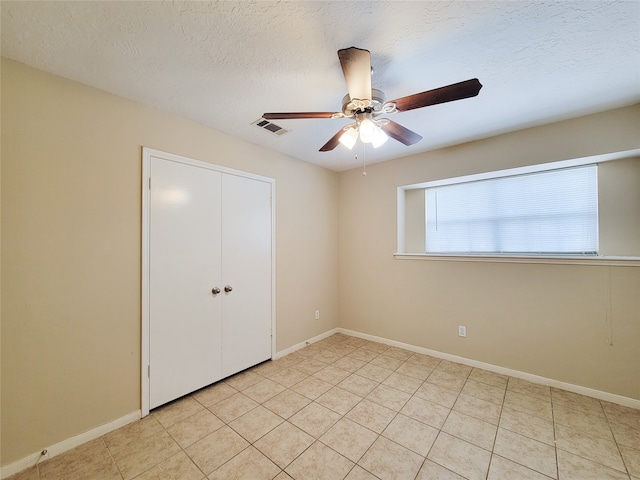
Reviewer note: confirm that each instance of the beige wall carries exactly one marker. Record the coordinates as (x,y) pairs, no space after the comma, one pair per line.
(549,320)
(618,207)
(71,235)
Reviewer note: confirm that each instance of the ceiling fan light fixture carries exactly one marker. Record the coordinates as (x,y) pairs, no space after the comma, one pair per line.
(379,138)
(369,131)
(349,137)
(367,128)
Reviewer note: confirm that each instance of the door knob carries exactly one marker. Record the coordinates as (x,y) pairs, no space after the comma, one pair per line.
(228,288)
(215,290)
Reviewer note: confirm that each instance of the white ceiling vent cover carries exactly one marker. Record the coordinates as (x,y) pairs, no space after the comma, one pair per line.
(270,127)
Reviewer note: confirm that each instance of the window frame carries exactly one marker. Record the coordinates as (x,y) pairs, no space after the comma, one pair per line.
(402,253)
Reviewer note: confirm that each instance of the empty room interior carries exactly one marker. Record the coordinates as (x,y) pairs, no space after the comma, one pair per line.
(320,240)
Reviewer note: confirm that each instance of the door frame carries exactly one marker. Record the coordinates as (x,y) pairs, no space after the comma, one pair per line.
(147,154)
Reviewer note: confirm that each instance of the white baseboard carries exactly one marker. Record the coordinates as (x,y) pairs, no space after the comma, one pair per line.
(66,445)
(306,343)
(590,392)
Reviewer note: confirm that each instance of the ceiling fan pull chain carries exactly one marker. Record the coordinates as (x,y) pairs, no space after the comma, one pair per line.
(356,158)
(364,160)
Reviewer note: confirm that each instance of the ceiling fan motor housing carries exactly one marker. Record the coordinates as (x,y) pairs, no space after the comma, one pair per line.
(352,106)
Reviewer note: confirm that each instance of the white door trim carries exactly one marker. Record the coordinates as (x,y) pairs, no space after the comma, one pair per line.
(147,154)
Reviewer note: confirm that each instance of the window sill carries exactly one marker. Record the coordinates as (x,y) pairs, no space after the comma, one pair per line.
(551,259)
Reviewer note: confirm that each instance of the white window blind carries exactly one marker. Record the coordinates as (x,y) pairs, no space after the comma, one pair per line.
(551,212)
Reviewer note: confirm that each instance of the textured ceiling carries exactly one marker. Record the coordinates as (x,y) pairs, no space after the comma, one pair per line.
(223,64)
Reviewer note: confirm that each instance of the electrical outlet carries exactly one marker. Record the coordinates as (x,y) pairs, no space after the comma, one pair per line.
(462,331)
(317,314)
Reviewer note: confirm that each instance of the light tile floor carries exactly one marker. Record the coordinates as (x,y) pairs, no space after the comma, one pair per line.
(347,408)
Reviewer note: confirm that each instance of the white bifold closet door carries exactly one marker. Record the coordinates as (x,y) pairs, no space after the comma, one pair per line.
(208,231)
(246,268)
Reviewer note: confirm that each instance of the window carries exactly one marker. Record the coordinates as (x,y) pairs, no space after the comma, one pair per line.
(551,212)
(582,210)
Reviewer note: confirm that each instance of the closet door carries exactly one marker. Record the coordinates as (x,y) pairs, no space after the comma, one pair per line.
(246,269)
(184,268)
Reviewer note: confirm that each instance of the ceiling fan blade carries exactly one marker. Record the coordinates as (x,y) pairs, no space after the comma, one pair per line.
(456,91)
(333,142)
(400,133)
(293,115)
(356,67)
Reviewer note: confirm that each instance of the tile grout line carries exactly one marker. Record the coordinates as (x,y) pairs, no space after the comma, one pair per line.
(111,457)
(615,440)
(555,436)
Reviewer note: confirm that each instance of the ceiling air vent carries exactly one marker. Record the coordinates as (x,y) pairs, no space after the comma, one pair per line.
(270,127)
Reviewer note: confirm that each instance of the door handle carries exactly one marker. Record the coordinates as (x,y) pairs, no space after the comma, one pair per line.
(228,288)
(215,290)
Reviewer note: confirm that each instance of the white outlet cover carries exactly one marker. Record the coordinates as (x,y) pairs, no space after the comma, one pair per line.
(462,331)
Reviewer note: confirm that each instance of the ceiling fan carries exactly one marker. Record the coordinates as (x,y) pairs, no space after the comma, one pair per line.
(366,104)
